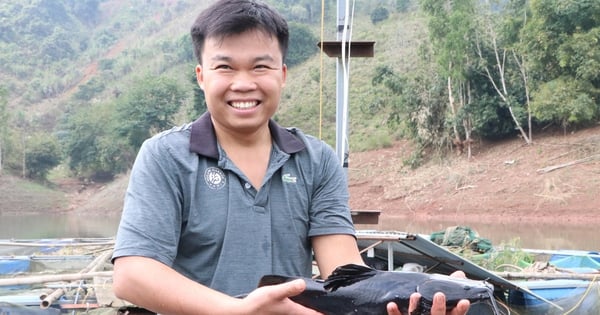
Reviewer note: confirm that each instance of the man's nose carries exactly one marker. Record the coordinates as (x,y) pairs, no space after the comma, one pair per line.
(243,80)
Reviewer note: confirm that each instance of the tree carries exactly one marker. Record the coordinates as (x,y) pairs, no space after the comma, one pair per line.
(450,28)
(303,45)
(561,40)
(93,147)
(379,14)
(199,101)
(564,101)
(42,155)
(497,68)
(148,107)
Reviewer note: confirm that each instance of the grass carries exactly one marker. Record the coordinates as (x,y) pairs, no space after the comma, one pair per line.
(22,196)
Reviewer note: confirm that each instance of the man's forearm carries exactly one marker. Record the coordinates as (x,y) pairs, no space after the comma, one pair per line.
(152,285)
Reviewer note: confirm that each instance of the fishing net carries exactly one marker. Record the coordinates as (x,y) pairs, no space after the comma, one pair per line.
(463,237)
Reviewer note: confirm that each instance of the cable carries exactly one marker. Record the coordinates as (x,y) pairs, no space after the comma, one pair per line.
(321,71)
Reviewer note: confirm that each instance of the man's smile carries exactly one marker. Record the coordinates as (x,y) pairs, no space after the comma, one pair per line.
(243,105)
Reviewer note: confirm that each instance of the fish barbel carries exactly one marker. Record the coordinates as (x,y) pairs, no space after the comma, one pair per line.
(356,289)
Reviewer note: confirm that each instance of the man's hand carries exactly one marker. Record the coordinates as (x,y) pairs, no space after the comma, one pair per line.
(439,303)
(438,308)
(274,299)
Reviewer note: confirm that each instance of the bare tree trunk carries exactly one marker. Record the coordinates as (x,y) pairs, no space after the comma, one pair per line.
(502,91)
(524,75)
(467,123)
(452,108)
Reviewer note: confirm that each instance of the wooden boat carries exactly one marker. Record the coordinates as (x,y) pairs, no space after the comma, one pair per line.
(571,295)
(526,293)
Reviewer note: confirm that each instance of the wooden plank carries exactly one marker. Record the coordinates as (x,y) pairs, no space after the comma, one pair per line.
(365,216)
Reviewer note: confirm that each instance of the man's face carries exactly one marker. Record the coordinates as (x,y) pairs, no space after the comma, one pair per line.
(242,77)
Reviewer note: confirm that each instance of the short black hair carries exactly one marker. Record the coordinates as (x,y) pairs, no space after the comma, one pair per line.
(233,17)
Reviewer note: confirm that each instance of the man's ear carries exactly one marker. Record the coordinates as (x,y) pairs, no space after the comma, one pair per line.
(284,70)
(200,76)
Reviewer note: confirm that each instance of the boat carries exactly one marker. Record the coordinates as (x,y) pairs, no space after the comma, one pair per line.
(573,287)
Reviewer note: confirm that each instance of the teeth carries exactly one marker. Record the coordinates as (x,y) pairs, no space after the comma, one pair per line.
(243,104)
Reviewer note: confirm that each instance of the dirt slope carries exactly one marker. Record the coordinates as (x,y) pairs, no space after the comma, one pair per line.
(506,181)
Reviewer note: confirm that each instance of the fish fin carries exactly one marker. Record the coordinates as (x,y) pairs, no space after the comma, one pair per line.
(273,280)
(348,274)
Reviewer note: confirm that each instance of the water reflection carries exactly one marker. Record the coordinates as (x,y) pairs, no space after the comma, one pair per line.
(538,236)
(56,226)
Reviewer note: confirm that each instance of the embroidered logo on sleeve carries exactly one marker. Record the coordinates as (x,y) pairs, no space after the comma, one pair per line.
(288,178)
(214,178)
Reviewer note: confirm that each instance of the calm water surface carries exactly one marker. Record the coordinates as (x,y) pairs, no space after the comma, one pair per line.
(56,226)
(536,236)
(539,236)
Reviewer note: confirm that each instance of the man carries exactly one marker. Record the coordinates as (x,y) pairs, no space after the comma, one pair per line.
(214,205)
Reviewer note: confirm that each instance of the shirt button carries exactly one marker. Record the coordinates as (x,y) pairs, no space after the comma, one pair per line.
(248,186)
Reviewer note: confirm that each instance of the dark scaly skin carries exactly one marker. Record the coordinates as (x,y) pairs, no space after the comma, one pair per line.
(353,289)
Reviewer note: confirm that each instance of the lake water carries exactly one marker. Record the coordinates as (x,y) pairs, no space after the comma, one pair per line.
(539,236)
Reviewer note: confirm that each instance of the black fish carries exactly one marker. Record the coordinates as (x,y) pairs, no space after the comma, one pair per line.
(355,289)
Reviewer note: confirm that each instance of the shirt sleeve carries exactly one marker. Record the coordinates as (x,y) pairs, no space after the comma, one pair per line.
(330,210)
(151,220)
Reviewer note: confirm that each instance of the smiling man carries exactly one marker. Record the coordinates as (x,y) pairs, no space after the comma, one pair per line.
(215,204)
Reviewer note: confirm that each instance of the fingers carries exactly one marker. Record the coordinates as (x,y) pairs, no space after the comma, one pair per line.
(392,309)
(293,288)
(461,308)
(458,274)
(439,304)
(413,302)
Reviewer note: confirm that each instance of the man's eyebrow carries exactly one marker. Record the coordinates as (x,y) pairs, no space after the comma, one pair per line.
(265,57)
(220,58)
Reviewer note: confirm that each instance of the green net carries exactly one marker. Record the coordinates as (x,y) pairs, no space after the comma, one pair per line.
(463,237)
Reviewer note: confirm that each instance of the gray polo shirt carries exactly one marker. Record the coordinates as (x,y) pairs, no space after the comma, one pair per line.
(189,207)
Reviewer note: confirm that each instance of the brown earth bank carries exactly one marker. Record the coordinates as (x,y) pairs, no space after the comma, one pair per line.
(505,181)
(554,180)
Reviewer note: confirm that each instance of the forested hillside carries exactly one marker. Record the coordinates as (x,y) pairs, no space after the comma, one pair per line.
(84,82)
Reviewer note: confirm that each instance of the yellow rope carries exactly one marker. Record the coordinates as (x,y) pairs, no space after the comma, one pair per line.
(587,291)
(321,71)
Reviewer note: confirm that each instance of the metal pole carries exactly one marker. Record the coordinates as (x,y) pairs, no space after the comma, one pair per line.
(341,129)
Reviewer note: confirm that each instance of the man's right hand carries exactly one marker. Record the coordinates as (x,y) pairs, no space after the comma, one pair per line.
(275,299)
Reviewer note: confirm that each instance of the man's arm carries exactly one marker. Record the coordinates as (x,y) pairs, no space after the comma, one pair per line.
(152,285)
(332,251)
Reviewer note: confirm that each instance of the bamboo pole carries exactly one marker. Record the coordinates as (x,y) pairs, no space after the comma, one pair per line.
(94,266)
(548,276)
(54,278)
(41,244)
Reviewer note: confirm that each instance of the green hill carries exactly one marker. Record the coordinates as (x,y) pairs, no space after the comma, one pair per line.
(66,63)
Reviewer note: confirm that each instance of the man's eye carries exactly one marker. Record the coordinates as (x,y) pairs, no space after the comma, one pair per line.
(222,67)
(262,67)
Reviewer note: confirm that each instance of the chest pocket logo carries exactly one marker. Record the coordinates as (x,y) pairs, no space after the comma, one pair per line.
(214,178)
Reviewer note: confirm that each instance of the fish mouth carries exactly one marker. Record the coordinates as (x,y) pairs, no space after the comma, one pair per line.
(243,105)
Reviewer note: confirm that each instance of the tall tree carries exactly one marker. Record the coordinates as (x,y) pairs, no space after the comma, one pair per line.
(497,69)
(450,27)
